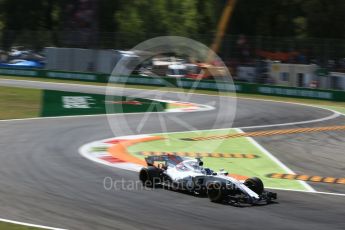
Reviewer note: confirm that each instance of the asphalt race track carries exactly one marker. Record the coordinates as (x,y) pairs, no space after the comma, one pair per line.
(44,180)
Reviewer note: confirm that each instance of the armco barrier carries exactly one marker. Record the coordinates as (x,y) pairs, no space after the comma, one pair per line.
(249,88)
(331,95)
(53,74)
(19,72)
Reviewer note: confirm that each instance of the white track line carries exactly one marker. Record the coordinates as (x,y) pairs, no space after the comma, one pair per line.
(202,108)
(274,159)
(83,150)
(313,192)
(333,116)
(30,225)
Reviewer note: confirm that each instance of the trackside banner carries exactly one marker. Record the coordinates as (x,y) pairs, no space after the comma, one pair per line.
(331,95)
(59,103)
(53,74)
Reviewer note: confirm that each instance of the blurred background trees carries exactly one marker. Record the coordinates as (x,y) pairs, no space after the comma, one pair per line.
(283,18)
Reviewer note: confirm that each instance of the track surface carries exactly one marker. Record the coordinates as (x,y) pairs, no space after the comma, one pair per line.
(44,180)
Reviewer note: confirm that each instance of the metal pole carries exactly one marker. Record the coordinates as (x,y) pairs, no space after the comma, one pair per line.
(222,26)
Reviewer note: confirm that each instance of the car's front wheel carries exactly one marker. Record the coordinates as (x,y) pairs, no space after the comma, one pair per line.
(255,184)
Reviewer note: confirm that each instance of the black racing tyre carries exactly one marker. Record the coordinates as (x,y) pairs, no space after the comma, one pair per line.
(168,183)
(216,192)
(150,176)
(255,184)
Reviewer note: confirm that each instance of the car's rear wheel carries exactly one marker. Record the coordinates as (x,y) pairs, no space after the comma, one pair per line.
(216,192)
(255,184)
(150,176)
(169,183)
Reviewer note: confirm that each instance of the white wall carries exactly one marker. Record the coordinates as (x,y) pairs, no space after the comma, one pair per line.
(80,60)
(287,74)
(339,78)
(246,73)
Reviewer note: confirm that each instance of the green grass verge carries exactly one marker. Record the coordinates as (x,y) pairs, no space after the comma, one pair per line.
(253,96)
(335,108)
(19,103)
(258,167)
(8,226)
(20,113)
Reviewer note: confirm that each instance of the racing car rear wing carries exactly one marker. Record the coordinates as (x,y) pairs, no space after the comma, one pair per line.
(167,159)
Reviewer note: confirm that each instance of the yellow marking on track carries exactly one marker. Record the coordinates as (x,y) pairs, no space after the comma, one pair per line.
(251,156)
(318,179)
(329,179)
(214,155)
(289,176)
(270,133)
(303,177)
(340,181)
(203,154)
(276,175)
(193,154)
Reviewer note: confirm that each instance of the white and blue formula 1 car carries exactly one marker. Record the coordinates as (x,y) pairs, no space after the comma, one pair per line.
(187,174)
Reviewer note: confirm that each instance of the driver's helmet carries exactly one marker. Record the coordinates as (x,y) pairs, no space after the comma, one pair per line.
(208,171)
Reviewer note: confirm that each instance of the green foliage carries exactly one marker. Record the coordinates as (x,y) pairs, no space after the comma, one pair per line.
(290,18)
(140,19)
(28,14)
(158,16)
(325,18)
